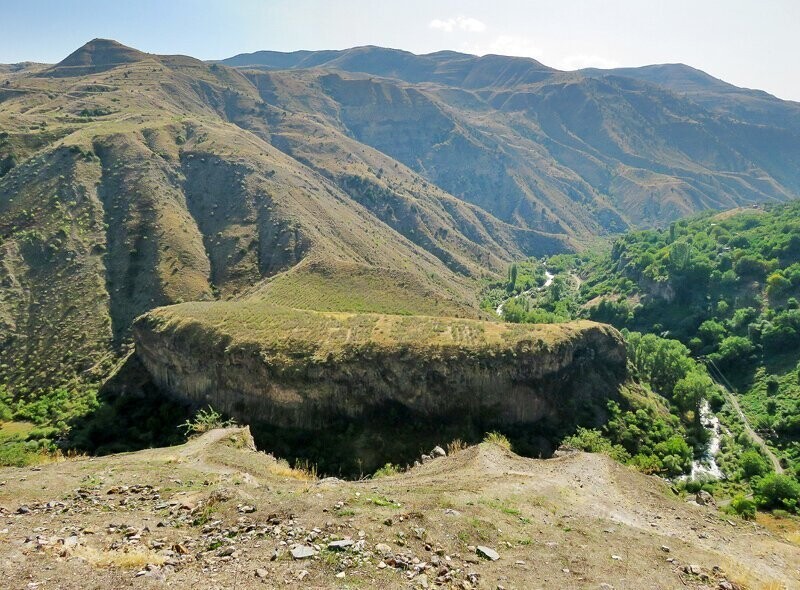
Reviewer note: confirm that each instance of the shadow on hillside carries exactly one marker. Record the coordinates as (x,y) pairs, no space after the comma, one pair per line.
(134,414)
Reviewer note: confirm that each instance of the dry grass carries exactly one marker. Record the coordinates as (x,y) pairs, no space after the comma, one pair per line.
(787,527)
(748,579)
(282,333)
(498,439)
(300,472)
(133,559)
(455,446)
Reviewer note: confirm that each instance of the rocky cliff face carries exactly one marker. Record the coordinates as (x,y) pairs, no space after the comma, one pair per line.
(499,376)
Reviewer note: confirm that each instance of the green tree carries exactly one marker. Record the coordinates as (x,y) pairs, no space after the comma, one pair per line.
(753,464)
(661,361)
(691,390)
(734,351)
(777,491)
(512,277)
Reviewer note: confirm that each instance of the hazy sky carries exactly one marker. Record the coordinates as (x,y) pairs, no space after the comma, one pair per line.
(752,43)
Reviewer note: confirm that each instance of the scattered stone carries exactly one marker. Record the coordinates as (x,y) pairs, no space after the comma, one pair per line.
(340,545)
(616,558)
(303,552)
(693,569)
(261,573)
(665,549)
(383,549)
(487,553)
(340,575)
(704,498)
(438,452)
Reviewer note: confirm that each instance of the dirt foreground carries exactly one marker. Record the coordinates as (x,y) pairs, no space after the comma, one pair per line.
(215,514)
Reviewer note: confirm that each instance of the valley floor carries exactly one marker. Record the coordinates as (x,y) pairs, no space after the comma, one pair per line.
(214,513)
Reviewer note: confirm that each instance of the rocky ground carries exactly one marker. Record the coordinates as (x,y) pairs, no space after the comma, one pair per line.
(214,513)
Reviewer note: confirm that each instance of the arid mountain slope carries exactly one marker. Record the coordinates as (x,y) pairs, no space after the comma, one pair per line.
(127,185)
(130,180)
(216,513)
(744,104)
(581,153)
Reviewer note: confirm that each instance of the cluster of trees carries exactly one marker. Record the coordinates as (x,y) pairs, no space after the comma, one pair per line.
(653,438)
(555,304)
(50,412)
(726,288)
(521,276)
(722,288)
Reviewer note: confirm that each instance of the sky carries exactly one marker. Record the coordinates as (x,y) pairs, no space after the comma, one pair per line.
(750,43)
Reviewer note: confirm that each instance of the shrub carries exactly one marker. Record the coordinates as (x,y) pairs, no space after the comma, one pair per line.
(205,420)
(694,485)
(777,491)
(744,507)
(386,471)
(593,441)
(753,464)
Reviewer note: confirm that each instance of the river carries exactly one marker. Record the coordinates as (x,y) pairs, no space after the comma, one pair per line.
(548,280)
(705,467)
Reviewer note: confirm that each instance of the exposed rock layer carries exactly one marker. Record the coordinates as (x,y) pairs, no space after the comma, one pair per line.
(523,375)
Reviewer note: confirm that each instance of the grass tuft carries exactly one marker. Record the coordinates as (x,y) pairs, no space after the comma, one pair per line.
(498,439)
(455,446)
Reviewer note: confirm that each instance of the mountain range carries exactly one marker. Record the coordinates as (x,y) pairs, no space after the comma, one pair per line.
(367,179)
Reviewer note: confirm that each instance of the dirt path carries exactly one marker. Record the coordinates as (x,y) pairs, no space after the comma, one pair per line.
(548,281)
(776,464)
(754,436)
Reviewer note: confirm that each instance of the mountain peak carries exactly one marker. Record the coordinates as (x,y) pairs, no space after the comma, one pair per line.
(101,53)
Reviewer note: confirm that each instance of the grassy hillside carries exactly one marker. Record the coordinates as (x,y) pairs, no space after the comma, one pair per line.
(345,334)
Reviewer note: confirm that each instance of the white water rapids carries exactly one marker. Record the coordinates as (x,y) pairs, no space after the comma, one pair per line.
(706,466)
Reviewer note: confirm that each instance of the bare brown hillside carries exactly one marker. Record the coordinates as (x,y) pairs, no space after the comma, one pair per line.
(127,187)
(216,513)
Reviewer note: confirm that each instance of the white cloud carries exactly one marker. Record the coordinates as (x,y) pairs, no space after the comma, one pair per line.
(507,45)
(577,62)
(460,23)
